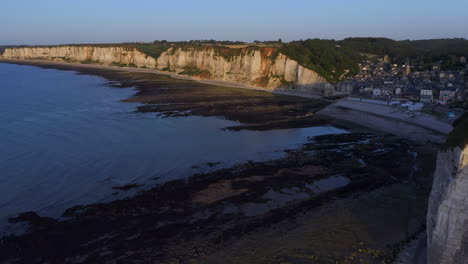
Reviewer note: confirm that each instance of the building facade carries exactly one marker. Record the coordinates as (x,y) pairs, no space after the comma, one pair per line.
(426,96)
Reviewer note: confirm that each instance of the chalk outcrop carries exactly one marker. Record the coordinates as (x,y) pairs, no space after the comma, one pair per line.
(260,67)
(83,54)
(265,68)
(447,219)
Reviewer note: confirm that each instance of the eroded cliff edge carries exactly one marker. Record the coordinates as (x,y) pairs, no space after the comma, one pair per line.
(258,67)
(447,219)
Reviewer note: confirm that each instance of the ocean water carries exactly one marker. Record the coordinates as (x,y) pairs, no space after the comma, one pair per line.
(67,139)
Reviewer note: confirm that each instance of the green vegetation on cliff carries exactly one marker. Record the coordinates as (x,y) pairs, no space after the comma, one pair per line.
(326,57)
(332,59)
(131,65)
(407,48)
(228,53)
(428,52)
(153,50)
(225,52)
(195,71)
(90,62)
(377,46)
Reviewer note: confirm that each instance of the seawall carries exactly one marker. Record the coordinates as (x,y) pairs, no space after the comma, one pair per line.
(386,119)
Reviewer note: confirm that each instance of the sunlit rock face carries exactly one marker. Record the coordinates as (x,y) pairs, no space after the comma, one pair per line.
(447,221)
(85,54)
(264,68)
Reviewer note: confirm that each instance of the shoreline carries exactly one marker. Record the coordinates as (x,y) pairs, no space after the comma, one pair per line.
(255,109)
(375,117)
(170,74)
(372,116)
(214,213)
(265,203)
(406,124)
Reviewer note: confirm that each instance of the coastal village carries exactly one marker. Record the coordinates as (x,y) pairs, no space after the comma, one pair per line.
(372,158)
(380,79)
(246,132)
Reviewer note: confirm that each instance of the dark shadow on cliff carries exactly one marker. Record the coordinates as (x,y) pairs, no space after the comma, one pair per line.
(459,135)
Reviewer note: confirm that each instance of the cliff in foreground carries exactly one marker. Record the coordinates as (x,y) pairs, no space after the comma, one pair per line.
(447,219)
(265,68)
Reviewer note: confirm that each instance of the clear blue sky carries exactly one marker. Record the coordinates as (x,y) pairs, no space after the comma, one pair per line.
(100,21)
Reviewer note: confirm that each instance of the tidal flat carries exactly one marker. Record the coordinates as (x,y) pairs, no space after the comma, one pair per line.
(354,197)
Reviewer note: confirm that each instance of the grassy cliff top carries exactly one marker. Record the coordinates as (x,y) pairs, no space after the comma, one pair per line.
(152,50)
(459,135)
(407,48)
(74,45)
(326,57)
(155,50)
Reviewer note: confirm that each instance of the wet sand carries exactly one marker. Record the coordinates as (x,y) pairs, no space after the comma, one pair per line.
(349,198)
(408,124)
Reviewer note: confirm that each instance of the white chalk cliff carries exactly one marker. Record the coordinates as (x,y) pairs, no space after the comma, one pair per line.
(257,67)
(447,219)
(89,54)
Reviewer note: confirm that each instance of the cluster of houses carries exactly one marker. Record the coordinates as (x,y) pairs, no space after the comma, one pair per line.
(384,80)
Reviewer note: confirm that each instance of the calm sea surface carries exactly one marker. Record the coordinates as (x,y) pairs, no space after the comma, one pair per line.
(66,139)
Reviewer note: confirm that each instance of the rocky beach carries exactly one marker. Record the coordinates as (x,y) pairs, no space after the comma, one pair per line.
(352,197)
(246,132)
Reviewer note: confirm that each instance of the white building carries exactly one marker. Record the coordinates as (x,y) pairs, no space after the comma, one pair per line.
(398,91)
(426,95)
(446,95)
(376,92)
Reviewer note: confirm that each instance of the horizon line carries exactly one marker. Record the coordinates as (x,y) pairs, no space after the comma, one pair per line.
(246,42)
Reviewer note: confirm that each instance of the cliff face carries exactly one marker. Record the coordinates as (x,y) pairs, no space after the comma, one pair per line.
(84,54)
(447,219)
(265,67)
(257,67)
